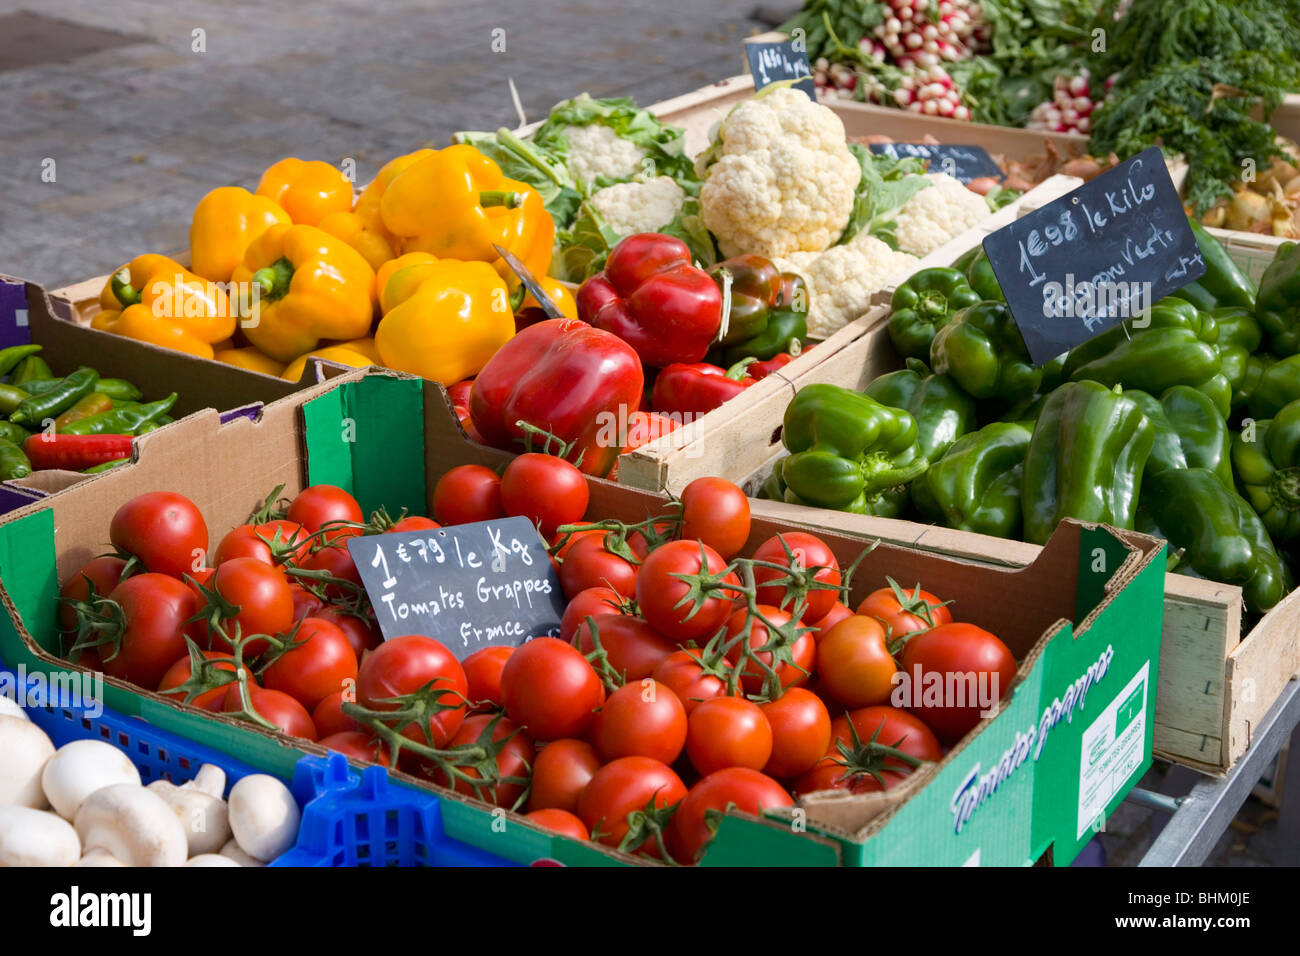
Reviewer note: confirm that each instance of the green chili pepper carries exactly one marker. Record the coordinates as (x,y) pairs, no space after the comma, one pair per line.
(105,466)
(10,357)
(75,387)
(13,462)
(31,369)
(119,389)
(93,404)
(121,421)
(14,433)
(11,396)
(42,386)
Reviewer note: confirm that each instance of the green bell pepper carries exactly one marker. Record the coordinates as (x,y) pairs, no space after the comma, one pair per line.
(976,485)
(755,284)
(982,349)
(943,412)
(1220,536)
(1256,367)
(1189,432)
(1176,345)
(1279,386)
(1266,457)
(1278,307)
(982,279)
(1239,337)
(923,305)
(1085,459)
(786,329)
(849,452)
(1223,283)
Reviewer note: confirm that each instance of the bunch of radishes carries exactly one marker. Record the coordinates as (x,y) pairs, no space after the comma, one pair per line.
(1070,108)
(931,91)
(911,37)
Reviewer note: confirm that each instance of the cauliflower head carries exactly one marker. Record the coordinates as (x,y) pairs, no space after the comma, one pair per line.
(940,212)
(784,179)
(842,280)
(629,208)
(596,150)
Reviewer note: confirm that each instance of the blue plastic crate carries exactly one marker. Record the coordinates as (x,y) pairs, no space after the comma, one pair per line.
(348,818)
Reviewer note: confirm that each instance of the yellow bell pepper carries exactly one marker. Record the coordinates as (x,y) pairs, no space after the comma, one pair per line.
(309,286)
(400,277)
(366,346)
(250,359)
(339,354)
(456,204)
(308,190)
(559,293)
(367,204)
(373,246)
(155,299)
(225,221)
(450,325)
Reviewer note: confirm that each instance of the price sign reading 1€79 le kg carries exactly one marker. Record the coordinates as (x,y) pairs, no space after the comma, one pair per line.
(469,586)
(1103,253)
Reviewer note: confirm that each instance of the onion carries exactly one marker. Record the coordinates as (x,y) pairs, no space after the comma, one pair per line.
(1247,209)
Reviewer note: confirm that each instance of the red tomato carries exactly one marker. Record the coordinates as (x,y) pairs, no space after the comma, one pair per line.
(658,591)
(904,612)
(551,689)
(559,821)
(329,718)
(483,674)
(319,505)
(954,672)
(362,633)
(466,494)
(103,573)
(792,661)
(837,613)
(164,530)
(854,663)
(256,541)
(626,788)
(305,603)
(357,744)
(181,671)
(590,565)
(591,602)
(513,760)
(682,671)
(155,608)
(641,719)
(885,726)
(261,592)
(809,551)
(633,648)
(733,788)
(322,665)
(402,666)
(279,708)
(716,512)
(546,490)
(728,732)
(335,560)
(561,772)
(801,732)
(573,537)
(415,523)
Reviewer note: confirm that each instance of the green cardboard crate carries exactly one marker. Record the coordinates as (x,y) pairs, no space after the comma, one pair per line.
(387,438)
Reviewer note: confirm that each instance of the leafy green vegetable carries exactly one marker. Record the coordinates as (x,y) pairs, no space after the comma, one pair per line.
(1002,196)
(688,226)
(519,159)
(886,184)
(582,249)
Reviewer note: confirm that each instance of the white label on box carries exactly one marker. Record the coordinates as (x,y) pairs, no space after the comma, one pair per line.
(973,859)
(1112,750)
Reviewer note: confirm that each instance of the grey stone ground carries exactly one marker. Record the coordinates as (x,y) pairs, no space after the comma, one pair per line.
(139,132)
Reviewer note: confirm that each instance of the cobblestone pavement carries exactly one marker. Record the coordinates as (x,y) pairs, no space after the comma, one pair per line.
(140,132)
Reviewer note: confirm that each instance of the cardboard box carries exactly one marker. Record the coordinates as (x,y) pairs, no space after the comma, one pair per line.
(388,438)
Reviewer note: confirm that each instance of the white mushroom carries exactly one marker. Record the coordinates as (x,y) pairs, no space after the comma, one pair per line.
(210,859)
(99,858)
(9,708)
(233,851)
(133,824)
(200,809)
(79,769)
(24,750)
(263,816)
(36,838)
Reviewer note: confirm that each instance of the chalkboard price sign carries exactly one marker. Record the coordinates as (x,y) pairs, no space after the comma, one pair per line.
(771,61)
(470,586)
(962,163)
(1100,254)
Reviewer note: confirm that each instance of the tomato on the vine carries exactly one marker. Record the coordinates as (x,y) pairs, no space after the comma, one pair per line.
(733,788)
(716,512)
(256,540)
(905,612)
(728,732)
(362,632)
(358,744)
(483,671)
(466,494)
(329,718)
(962,660)
(666,601)
(546,490)
(590,602)
(561,772)
(640,719)
(402,666)
(624,788)
(791,660)
(275,706)
(181,671)
(155,608)
(262,595)
(305,603)
(512,760)
(854,664)
(321,665)
(335,561)
(589,564)
(321,505)
(801,732)
(103,574)
(808,551)
(559,821)
(550,689)
(683,671)
(838,612)
(879,730)
(164,530)
(415,523)
(632,647)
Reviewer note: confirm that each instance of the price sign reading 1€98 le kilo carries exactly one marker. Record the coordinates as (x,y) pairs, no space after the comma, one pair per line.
(469,586)
(1100,254)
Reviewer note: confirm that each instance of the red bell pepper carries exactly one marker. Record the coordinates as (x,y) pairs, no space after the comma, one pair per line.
(563,378)
(75,452)
(653,298)
(694,388)
(761,370)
